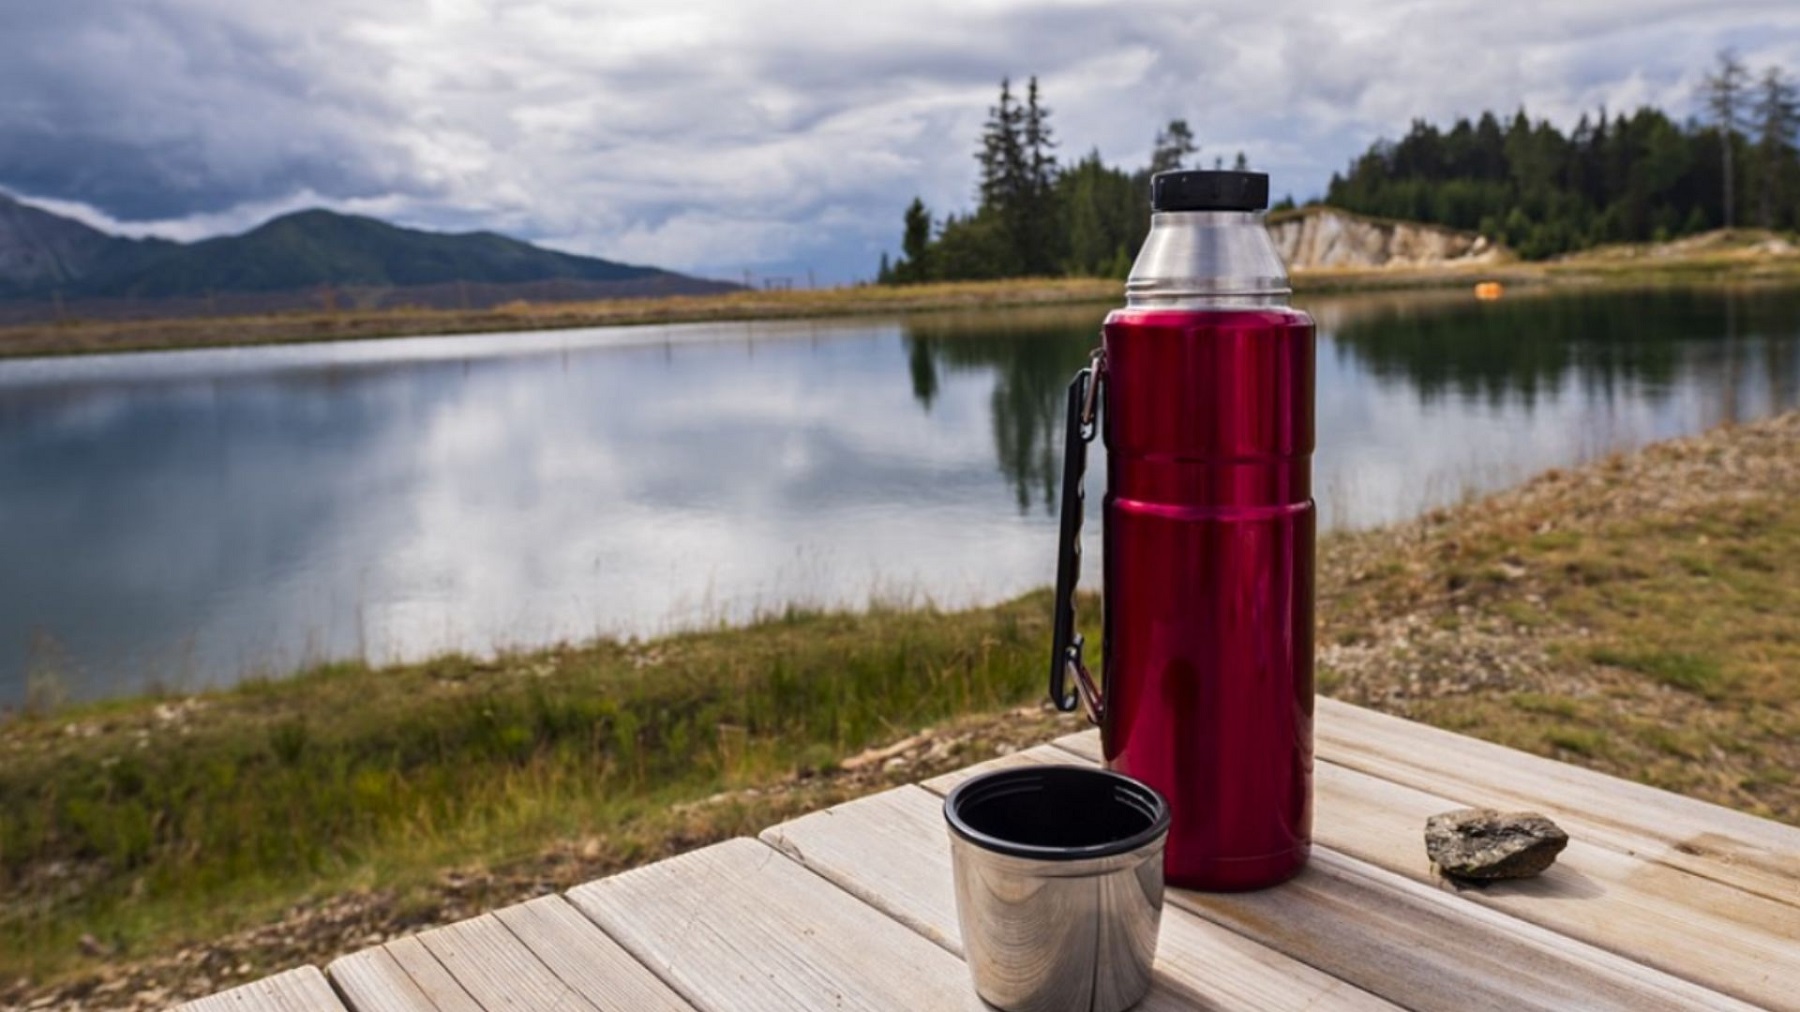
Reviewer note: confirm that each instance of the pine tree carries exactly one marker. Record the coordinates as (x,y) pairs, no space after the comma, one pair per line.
(1723,92)
(1102,211)
(1037,221)
(1038,142)
(1174,144)
(915,245)
(1002,155)
(1018,177)
(1777,119)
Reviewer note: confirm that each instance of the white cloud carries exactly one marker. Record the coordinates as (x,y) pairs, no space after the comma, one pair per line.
(738,134)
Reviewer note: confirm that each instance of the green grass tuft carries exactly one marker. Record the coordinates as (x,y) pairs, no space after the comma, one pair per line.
(270,790)
(1691,672)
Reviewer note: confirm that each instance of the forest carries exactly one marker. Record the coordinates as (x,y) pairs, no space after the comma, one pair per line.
(1632,177)
(1036,216)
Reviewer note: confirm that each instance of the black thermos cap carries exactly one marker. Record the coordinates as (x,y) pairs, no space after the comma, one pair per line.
(1209,190)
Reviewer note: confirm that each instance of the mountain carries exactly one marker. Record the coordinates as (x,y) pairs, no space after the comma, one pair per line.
(40,250)
(311,248)
(289,260)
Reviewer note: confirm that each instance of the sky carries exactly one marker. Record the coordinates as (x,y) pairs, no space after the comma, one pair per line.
(720,137)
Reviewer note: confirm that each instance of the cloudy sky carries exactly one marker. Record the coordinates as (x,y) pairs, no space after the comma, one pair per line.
(718,136)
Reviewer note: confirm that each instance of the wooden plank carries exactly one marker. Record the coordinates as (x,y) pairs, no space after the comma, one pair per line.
(300,990)
(1757,855)
(1691,927)
(401,976)
(497,970)
(891,850)
(1421,947)
(739,926)
(1728,939)
(598,968)
(1427,949)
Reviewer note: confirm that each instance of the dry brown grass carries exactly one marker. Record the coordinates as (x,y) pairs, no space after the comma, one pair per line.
(97,336)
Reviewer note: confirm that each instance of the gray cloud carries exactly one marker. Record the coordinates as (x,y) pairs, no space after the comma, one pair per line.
(753,134)
(163,110)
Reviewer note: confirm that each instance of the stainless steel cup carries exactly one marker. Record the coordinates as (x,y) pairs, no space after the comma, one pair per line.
(1059,886)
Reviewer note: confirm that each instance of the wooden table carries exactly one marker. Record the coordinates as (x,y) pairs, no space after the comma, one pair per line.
(1659,902)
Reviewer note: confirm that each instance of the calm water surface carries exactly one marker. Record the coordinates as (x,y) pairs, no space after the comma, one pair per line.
(188,518)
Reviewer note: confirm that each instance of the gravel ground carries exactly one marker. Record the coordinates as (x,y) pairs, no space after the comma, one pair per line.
(1374,642)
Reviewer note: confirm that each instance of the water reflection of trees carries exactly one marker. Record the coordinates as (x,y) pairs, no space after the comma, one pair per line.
(1532,345)
(1731,344)
(1032,354)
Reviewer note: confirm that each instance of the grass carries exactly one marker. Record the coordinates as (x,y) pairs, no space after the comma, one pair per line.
(1641,616)
(80,336)
(1682,670)
(147,825)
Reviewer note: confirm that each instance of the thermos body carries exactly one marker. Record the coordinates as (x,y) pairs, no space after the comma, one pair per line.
(1209,530)
(1203,392)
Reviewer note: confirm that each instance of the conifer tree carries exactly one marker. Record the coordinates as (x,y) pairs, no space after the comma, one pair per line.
(915,244)
(1002,156)
(1174,144)
(1777,119)
(1723,92)
(1038,227)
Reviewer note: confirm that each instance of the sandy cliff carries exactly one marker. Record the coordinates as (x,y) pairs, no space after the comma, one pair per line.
(1325,237)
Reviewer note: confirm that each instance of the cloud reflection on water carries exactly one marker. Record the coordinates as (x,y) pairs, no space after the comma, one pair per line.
(189,517)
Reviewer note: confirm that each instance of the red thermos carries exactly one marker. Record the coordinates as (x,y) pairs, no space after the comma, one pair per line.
(1204,392)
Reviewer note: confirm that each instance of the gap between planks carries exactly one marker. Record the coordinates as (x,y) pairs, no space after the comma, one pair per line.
(1416,945)
(740,926)
(1754,854)
(541,954)
(891,851)
(1727,939)
(299,990)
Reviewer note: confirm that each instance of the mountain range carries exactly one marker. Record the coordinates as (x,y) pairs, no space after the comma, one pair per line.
(294,261)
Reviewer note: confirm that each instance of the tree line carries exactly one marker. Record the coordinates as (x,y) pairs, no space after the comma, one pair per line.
(1036,216)
(1628,178)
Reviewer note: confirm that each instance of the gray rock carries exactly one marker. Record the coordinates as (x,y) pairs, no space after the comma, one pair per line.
(1480,843)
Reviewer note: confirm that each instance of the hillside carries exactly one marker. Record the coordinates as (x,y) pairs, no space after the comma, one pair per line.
(40,250)
(287,262)
(310,248)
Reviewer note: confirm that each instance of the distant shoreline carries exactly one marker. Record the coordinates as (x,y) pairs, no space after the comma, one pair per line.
(1719,263)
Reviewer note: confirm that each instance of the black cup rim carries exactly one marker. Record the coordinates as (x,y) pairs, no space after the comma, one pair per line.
(986,783)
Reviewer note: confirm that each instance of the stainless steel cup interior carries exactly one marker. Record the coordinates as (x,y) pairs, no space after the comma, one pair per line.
(1059,886)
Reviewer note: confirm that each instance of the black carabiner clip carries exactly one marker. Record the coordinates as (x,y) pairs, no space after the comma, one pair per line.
(1080,425)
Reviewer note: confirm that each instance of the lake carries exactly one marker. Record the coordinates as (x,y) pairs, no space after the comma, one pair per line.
(176,520)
